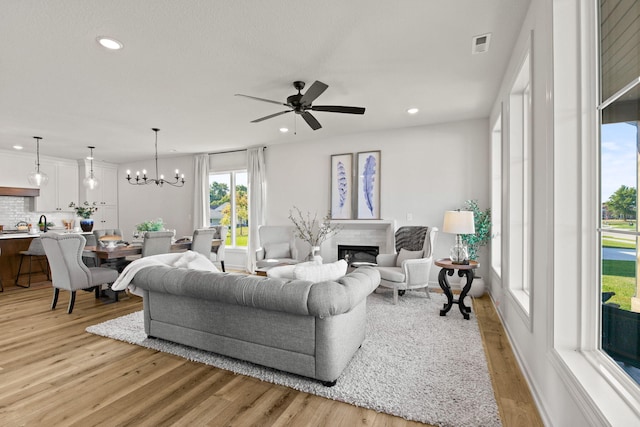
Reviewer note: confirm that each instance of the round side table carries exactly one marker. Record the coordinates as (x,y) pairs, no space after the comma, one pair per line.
(448,268)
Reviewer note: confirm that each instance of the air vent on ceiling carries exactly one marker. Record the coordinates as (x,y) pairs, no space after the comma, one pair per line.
(480,44)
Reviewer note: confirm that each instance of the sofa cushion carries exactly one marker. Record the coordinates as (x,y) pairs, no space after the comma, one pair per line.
(405,254)
(277,250)
(391,274)
(314,272)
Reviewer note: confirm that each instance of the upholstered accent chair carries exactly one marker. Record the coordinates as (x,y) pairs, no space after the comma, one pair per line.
(277,246)
(64,252)
(410,266)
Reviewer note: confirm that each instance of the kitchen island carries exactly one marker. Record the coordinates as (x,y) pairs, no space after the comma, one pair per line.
(10,245)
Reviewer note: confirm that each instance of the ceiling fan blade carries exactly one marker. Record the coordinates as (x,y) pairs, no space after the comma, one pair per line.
(313,92)
(311,121)
(270,116)
(338,109)
(261,99)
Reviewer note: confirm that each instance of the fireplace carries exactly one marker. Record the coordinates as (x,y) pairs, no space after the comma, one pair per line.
(358,253)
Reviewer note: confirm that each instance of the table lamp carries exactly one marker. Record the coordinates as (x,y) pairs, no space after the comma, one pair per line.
(458,223)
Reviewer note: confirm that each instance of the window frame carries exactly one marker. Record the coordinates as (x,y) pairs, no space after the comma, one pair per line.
(232,199)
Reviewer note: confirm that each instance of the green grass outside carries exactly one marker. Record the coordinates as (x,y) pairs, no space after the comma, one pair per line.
(608,242)
(629,224)
(619,277)
(242,237)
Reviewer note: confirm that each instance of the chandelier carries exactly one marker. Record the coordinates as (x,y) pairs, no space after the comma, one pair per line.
(37,178)
(178,180)
(91,182)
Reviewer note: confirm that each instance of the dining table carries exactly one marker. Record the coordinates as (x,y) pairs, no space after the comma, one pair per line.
(105,253)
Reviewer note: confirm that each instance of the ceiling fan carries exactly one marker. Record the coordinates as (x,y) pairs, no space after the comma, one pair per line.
(302,104)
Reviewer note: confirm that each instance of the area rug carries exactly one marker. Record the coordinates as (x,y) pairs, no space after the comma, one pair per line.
(413,364)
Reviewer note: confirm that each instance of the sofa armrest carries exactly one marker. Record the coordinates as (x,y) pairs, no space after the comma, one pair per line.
(260,254)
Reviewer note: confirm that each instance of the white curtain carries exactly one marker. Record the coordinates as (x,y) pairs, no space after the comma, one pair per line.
(257,193)
(201,211)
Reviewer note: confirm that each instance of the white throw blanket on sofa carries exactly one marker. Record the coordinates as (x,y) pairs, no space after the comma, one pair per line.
(189,259)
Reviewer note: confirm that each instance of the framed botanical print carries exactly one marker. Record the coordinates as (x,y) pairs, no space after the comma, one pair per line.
(341,186)
(368,199)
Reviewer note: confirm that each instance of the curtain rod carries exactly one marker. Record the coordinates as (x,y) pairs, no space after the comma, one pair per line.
(233,151)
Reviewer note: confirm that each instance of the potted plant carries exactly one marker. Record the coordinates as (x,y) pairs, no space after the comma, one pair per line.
(85,211)
(312,230)
(482,236)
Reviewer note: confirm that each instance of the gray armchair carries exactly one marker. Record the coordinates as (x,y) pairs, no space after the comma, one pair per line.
(64,252)
(277,246)
(410,266)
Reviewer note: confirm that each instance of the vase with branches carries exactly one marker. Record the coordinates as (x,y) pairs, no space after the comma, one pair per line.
(311,229)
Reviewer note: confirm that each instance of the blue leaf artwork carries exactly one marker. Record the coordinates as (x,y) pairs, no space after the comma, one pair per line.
(342,184)
(368,178)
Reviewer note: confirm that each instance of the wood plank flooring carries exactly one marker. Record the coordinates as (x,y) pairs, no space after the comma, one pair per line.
(53,373)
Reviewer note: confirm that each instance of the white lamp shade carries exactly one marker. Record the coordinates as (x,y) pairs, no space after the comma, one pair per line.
(458,222)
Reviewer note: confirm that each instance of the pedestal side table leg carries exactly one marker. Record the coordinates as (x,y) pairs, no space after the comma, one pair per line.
(465,310)
(446,288)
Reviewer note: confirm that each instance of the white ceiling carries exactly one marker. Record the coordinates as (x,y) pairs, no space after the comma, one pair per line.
(183,61)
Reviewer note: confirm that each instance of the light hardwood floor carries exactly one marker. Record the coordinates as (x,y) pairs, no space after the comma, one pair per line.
(53,373)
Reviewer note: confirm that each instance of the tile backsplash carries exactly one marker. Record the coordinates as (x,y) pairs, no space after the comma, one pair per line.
(14,209)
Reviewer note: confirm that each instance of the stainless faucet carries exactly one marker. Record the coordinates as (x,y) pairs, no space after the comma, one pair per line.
(45,229)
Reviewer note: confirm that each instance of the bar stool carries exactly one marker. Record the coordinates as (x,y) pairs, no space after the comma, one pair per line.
(35,250)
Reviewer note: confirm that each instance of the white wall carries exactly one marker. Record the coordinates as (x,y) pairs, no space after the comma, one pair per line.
(424,171)
(139,203)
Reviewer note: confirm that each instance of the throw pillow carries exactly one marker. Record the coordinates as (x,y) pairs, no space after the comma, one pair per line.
(277,250)
(405,254)
(320,272)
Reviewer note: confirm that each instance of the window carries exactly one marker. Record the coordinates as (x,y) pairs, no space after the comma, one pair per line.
(496,197)
(619,156)
(520,171)
(228,204)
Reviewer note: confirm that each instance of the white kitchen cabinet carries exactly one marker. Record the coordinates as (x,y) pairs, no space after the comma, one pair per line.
(61,189)
(105,195)
(105,217)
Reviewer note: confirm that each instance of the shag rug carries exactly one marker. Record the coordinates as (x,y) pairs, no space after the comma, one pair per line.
(413,363)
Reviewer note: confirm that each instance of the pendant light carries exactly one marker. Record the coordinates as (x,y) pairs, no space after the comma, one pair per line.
(177,181)
(91,182)
(37,178)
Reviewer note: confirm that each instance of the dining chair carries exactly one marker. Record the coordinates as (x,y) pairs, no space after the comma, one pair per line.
(156,243)
(64,252)
(201,242)
(35,250)
(217,252)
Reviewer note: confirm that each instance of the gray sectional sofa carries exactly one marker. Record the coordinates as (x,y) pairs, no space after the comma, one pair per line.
(309,329)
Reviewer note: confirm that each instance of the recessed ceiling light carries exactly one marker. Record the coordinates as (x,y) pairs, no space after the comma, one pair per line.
(412,110)
(284,130)
(109,43)
(18,147)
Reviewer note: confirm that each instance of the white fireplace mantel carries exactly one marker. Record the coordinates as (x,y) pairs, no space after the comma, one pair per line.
(369,232)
